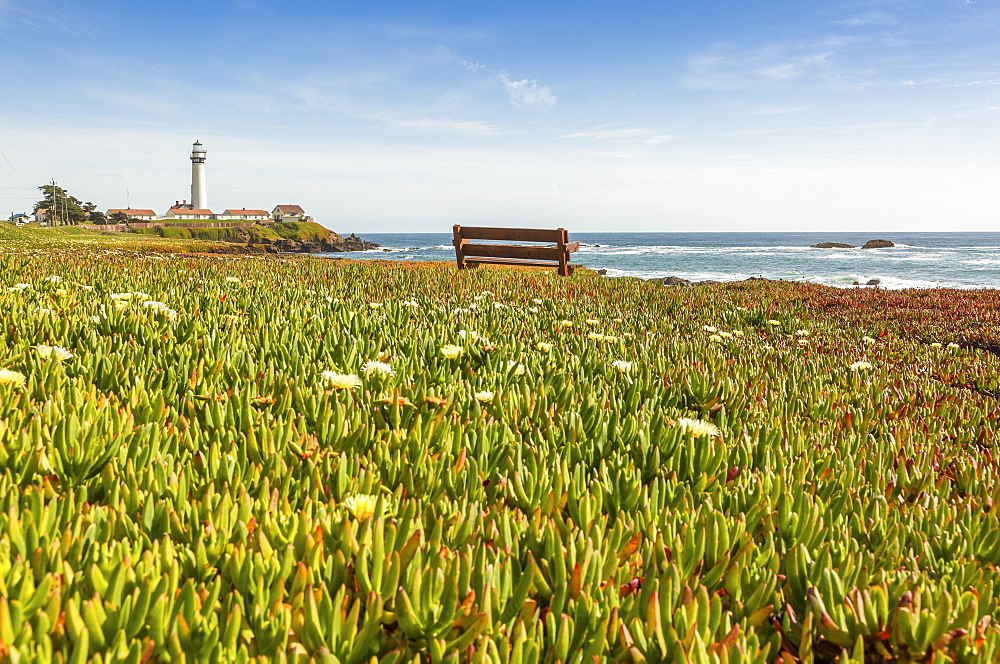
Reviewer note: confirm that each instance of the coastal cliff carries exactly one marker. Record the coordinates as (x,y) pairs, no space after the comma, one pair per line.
(280,237)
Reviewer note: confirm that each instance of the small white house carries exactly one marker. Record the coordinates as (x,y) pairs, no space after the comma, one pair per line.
(289,213)
(244,214)
(193,213)
(139,214)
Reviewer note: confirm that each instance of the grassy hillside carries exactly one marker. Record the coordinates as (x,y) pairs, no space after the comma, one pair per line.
(268,459)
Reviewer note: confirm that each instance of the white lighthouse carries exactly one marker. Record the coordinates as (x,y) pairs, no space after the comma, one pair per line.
(199,190)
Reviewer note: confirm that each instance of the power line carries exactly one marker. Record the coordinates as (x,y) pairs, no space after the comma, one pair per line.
(13,172)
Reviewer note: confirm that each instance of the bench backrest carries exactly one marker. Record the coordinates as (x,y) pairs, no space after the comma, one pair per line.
(557,254)
(556,236)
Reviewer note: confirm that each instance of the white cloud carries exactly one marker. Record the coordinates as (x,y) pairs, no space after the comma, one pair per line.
(527,92)
(604,134)
(464,128)
(632,135)
(870,18)
(779,110)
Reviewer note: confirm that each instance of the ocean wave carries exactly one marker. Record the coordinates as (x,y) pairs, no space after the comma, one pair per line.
(981,261)
(838,281)
(667,250)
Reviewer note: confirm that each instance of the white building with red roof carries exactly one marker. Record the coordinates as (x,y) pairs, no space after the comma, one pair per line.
(289,213)
(244,214)
(141,214)
(189,212)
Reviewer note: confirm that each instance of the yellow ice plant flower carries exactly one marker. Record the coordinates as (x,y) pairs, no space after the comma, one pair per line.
(715,338)
(61,292)
(860,365)
(485,396)
(232,280)
(11,377)
(774,322)
(566,323)
(341,381)
(698,427)
(595,336)
(54,352)
(593,321)
(737,333)
(121,296)
(451,351)
(362,506)
(953,346)
(936,344)
(610,339)
(543,346)
(517,368)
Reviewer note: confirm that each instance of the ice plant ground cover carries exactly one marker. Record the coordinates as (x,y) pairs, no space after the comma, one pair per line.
(194,486)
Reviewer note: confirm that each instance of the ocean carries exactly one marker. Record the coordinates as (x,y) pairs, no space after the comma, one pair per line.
(920,260)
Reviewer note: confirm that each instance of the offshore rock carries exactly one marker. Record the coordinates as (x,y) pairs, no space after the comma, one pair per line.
(673,281)
(878,244)
(333,242)
(833,245)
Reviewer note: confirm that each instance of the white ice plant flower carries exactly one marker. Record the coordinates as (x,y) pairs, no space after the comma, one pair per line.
(623,366)
(376,368)
(860,365)
(54,352)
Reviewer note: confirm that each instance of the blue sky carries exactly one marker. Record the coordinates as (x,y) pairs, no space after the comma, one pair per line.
(404,116)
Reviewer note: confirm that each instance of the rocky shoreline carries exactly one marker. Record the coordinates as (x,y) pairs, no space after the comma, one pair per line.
(332,243)
(681,282)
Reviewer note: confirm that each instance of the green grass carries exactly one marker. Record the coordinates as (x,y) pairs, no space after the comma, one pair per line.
(608,470)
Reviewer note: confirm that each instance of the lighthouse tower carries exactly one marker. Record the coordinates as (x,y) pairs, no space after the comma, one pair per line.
(199,190)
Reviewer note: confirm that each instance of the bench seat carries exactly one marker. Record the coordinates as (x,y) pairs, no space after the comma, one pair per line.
(483,260)
(470,254)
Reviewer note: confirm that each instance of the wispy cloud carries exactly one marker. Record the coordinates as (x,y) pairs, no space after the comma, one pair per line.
(870,18)
(527,92)
(520,92)
(16,14)
(464,128)
(630,135)
(781,110)
(729,67)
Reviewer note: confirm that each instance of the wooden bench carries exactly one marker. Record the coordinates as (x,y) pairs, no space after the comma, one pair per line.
(555,254)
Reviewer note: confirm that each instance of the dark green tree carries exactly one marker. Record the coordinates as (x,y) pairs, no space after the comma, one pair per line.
(97,217)
(119,218)
(62,208)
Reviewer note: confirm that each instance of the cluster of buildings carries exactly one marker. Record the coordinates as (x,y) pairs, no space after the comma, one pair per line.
(198,210)
(182,211)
